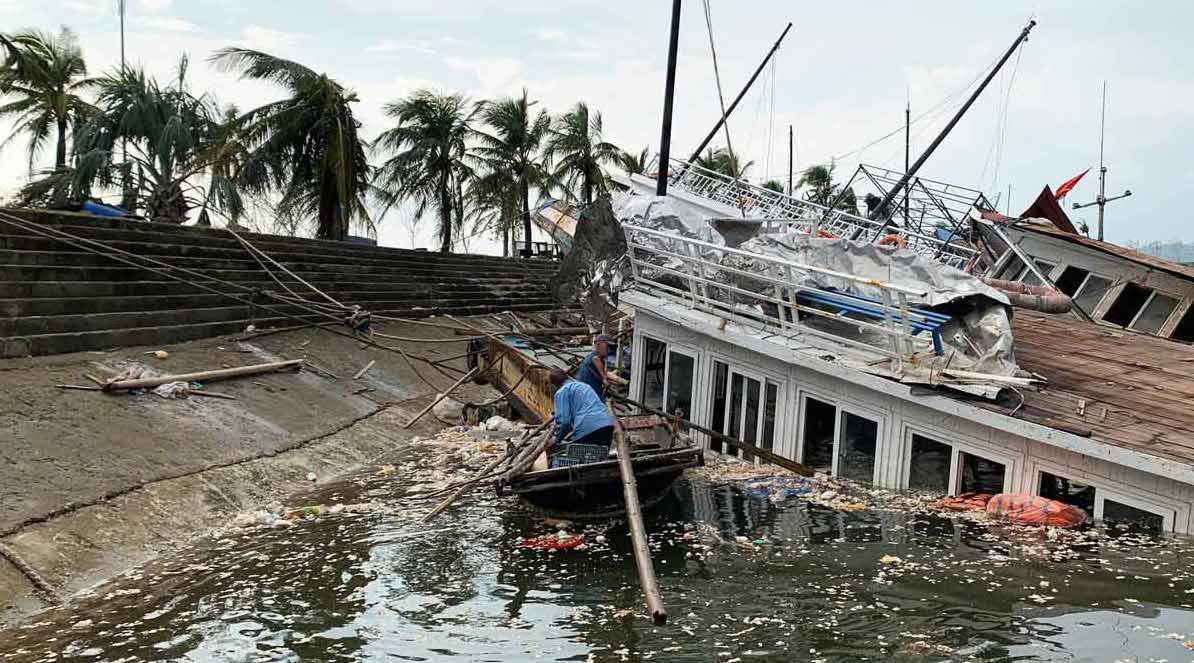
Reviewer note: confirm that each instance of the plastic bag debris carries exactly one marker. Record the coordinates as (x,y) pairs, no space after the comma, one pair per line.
(1034,510)
(172,390)
(777,487)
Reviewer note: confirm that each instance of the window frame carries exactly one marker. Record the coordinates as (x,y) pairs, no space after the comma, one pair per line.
(691,353)
(842,407)
(1131,326)
(1094,310)
(1168,514)
(960,443)
(763,378)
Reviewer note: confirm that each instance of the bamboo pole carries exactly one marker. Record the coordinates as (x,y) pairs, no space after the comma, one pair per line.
(202,376)
(442,396)
(770,457)
(638,532)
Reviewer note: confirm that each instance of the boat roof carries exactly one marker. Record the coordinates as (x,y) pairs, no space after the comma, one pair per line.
(1042,227)
(1115,386)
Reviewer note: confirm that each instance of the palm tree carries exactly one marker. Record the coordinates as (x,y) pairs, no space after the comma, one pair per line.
(494,204)
(163,134)
(514,144)
(823,191)
(306,148)
(44,75)
(429,161)
(774,185)
(635,164)
(576,147)
(723,161)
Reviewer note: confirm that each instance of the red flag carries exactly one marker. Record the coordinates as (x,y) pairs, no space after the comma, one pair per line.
(1069,184)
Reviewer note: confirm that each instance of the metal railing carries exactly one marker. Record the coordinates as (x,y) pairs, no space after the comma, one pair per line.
(775,301)
(785,213)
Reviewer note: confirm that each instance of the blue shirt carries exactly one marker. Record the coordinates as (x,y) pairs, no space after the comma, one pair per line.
(588,374)
(579,411)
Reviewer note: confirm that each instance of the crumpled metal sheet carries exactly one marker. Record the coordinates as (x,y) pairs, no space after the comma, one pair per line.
(978,338)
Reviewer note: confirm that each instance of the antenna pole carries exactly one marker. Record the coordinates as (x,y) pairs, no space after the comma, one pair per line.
(882,211)
(669,92)
(790,143)
(907,149)
(1101,200)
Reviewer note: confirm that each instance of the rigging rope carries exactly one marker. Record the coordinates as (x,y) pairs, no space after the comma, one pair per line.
(717,77)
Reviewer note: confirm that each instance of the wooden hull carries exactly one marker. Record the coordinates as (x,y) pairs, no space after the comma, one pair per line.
(594,490)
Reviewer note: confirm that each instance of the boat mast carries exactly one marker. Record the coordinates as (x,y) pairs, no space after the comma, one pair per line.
(907,147)
(669,91)
(882,211)
(1101,200)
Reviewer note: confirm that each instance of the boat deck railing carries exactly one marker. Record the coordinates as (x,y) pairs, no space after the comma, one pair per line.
(782,212)
(674,267)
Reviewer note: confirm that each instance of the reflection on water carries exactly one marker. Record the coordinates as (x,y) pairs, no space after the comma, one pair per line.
(743,579)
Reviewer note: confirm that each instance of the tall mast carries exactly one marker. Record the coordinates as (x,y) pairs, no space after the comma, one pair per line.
(669,92)
(1101,200)
(713,132)
(907,147)
(882,211)
(791,142)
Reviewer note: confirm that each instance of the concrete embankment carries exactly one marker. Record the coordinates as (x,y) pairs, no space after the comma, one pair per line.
(92,483)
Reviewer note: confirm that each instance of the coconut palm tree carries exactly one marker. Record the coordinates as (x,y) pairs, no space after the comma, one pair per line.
(514,143)
(721,160)
(429,161)
(823,191)
(494,204)
(305,148)
(774,185)
(576,147)
(43,75)
(635,164)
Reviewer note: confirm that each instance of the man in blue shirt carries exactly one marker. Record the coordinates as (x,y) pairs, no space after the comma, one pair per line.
(592,369)
(580,412)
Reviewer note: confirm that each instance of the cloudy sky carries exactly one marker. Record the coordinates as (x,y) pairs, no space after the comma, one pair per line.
(841,79)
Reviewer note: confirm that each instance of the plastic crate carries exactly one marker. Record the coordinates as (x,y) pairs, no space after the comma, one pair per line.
(579,454)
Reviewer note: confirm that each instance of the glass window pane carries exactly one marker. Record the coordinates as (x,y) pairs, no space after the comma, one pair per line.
(734,418)
(1127,304)
(717,405)
(681,368)
(980,475)
(930,462)
(653,364)
(860,438)
(1092,293)
(1158,310)
(1071,279)
(750,424)
(1030,278)
(1012,269)
(1070,492)
(819,421)
(1141,520)
(770,403)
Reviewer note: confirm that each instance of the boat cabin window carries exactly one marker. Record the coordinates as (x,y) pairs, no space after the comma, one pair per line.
(654,363)
(1155,313)
(929,464)
(1091,293)
(1068,491)
(820,422)
(1031,279)
(1127,304)
(979,475)
(681,368)
(743,407)
(1185,329)
(717,402)
(1012,269)
(1140,520)
(1071,279)
(858,448)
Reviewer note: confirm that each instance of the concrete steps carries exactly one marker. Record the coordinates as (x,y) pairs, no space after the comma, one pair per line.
(55,297)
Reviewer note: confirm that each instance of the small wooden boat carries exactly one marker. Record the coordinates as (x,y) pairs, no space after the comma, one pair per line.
(594,490)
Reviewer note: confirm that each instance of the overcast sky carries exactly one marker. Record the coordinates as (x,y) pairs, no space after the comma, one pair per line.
(841,79)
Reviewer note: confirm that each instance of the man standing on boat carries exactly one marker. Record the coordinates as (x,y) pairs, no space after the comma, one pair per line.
(592,369)
(580,412)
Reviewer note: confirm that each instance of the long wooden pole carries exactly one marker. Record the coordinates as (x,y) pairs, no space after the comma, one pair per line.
(669,93)
(442,396)
(638,532)
(762,453)
(202,376)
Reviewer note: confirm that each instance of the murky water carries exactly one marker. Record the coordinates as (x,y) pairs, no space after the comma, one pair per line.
(809,585)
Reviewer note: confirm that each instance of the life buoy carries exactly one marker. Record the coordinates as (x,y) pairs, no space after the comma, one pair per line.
(894,238)
(826,234)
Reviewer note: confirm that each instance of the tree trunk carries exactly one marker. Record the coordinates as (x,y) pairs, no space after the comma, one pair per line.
(60,155)
(587,190)
(445,218)
(505,238)
(526,218)
(329,227)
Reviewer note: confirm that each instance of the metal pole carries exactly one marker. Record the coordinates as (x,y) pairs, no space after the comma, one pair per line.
(669,91)
(1102,169)
(881,210)
(790,142)
(697,152)
(907,149)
